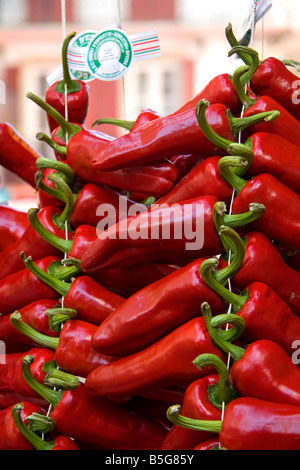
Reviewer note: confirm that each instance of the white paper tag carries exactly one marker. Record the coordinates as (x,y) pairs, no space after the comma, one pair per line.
(107,54)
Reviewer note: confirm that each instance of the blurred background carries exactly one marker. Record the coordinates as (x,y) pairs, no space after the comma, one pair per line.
(193,49)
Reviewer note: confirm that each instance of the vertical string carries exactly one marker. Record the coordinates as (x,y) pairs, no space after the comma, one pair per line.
(233,194)
(122,78)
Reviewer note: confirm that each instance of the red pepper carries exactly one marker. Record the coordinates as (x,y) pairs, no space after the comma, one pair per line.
(156,178)
(263,263)
(169,136)
(286,125)
(92,302)
(77,93)
(277,198)
(98,421)
(264,151)
(128,280)
(154,311)
(14,220)
(145,116)
(11,376)
(265,362)
(22,287)
(182,230)
(31,242)
(203,399)
(185,163)
(262,370)
(6,238)
(11,438)
(266,315)
(73,351)
(203,179)
(33,315)
(272,78)
(16,154)
(251,424)
(44,198)
(219,89)
(165,363)
(56,443)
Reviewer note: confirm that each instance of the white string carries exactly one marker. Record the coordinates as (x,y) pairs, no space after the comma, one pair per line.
(122,78)
(231,203)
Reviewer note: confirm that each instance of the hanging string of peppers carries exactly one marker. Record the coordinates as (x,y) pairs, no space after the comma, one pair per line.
(118,330)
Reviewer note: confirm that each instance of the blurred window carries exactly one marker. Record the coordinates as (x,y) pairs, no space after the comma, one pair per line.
(12,12)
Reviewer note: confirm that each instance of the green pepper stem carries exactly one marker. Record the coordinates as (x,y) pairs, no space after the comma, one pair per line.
(237,124)
(222,391)
(217,336)
(39,423)
(58,316)
(60,379)
(38,337)
(72,86)
(40,185)
(234,42)
(62,186)
(224,274)
(125,124)
(292,63)
(37,442)
(67,127)
(235,181)
(46,163)
(61,270)
(58,285)
(173,414)
(51,396)
(239,88)
(241,150)
(206,268)
(256,211)
(59,243)
(45,138)
(249,69)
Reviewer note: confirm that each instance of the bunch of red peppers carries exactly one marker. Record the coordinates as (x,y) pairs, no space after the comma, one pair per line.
(152,299)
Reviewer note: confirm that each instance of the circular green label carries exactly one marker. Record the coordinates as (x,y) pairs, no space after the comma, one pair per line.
(78,47)
(109,55)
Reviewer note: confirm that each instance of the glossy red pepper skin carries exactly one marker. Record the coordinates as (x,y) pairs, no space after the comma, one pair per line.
(80,153)
(64,443)
(274,79)
(165,363)
(11,438)
(74,353)
(14,220)
(101,422)
(219,89)
(266,371)
(253,424)
(267,316)
(16,154)
(82,238)
(260,255)
(119,245)
(145,116)
(11,376)
(155,311)
(203,179)
(128,280)
(185,163)
(286,125)
(78,103)
(164,138)
(91,300)
(276,155)
(6,238)
(31,243)
(281,221)
(89,199)
(34,316)
(22,287)
(196,405)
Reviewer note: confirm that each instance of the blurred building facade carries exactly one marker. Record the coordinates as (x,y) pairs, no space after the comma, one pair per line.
(193,49)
